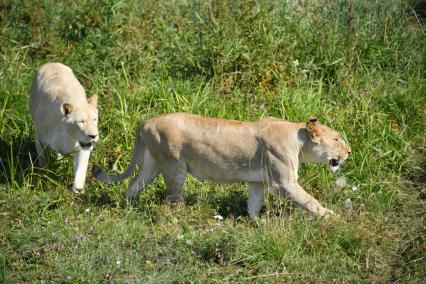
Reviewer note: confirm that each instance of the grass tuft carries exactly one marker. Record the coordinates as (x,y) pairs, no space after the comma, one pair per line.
(358,66)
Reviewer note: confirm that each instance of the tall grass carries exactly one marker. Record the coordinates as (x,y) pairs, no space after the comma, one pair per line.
(358,66)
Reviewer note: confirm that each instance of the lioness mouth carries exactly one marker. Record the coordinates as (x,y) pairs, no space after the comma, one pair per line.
(85,145)
(334,165)
(334,162)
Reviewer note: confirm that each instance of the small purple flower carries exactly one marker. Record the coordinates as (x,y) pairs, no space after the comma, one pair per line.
(78,237)
(362,206)
(91,228)
(362,94)
(60,247)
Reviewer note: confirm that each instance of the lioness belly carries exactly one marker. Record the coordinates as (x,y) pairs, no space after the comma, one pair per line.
(226,175)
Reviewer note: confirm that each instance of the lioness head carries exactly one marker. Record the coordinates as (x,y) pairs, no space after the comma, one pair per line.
(328,145)
(82,122)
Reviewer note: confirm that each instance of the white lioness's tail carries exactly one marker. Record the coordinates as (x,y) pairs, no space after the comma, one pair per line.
(138,150)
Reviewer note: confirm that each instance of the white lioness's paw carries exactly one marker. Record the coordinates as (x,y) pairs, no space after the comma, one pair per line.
(77,190)
(327,213)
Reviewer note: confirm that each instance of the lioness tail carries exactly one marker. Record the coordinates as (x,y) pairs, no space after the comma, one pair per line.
(138,150)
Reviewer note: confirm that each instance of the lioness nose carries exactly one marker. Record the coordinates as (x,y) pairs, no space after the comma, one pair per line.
(93,136)
(349,150)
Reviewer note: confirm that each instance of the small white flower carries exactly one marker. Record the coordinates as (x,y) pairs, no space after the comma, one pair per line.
(118,262)
(340,182)
(218,217)
(354,188)
(87,210)
(295,63)
(348,204)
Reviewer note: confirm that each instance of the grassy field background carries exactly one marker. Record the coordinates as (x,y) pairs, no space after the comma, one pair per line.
(358,66)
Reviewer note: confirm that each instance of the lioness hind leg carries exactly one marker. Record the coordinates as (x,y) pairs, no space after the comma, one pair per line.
(41,153)
(146,174)
(255,198)
(175,179)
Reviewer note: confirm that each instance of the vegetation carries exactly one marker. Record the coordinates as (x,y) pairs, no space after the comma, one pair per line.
(358,66)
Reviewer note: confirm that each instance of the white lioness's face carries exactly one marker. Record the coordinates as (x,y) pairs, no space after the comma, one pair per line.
(328,145)
(82,123)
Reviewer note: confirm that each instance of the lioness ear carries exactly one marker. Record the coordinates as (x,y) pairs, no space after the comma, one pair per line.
(93,100)
(314,130)
(67,109)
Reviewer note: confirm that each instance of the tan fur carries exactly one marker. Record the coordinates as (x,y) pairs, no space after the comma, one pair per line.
(265,153)
(64,120)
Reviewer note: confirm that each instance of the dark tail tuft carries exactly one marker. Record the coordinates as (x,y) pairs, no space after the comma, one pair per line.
(96,171)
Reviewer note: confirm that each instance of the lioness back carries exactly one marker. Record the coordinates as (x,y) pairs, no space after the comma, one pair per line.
(210,147)
(54,83)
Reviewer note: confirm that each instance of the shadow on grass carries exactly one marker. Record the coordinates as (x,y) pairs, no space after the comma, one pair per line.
(417,174)
(102,198)
(232,204)
(16,159)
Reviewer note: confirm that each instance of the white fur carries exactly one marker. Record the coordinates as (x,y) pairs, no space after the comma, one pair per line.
(64,119)
(255,198)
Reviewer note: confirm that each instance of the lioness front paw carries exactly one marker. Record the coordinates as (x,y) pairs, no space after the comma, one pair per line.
(77,190)
(327,213)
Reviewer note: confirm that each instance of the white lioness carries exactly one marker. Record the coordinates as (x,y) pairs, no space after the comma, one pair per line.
(64,120)
(265,153)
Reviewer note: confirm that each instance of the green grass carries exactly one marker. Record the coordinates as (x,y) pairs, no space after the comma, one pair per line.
(358,66)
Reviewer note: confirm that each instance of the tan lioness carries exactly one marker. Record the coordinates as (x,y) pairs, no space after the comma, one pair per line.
(64,120)
(265,153)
